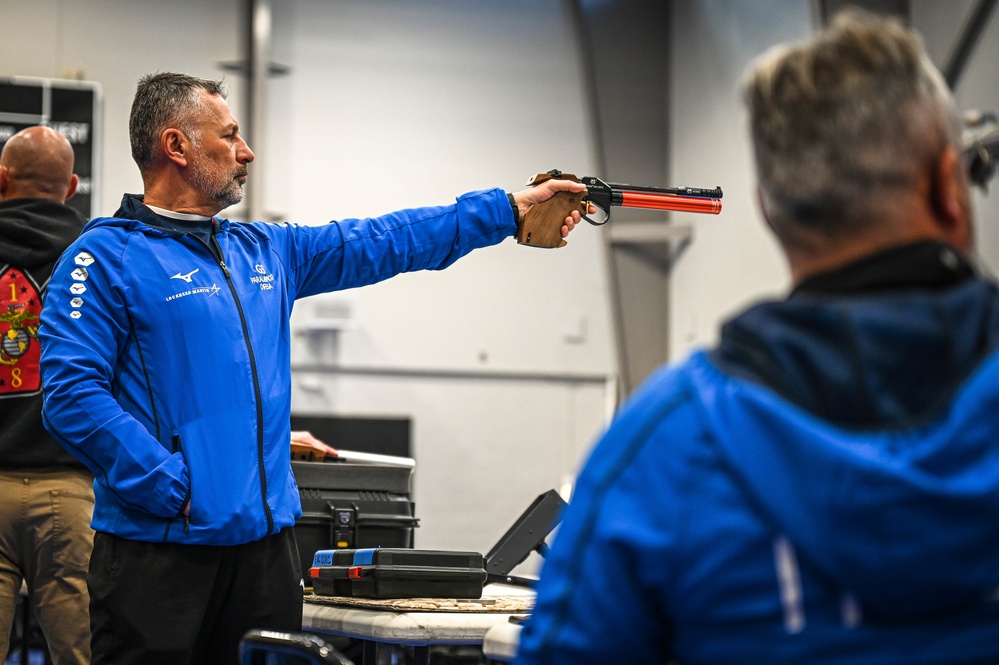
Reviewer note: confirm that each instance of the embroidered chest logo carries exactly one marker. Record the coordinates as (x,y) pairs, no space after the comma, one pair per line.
(263,279)
(20,309)
(188,278)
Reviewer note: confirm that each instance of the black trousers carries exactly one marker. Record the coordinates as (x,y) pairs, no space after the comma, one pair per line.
(170,604)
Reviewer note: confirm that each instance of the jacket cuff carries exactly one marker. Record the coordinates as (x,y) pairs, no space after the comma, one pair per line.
(516,210)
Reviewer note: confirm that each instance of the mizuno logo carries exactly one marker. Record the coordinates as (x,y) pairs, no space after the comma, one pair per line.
(187,277)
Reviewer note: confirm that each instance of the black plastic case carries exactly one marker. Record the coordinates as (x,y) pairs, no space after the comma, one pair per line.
(352,506)
(398,573)
(329,572)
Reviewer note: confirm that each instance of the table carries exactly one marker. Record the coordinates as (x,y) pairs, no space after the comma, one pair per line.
(501,641)
(419,629)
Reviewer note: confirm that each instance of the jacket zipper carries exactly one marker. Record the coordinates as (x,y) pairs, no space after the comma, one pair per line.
(179,448)
(216,251)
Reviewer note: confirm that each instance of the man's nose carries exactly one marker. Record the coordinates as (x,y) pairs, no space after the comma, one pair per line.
(243,154)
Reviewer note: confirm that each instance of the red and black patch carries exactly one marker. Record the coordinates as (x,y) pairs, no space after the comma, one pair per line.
(20,312)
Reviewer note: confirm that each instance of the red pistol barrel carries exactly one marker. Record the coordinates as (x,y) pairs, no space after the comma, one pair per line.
(651,201)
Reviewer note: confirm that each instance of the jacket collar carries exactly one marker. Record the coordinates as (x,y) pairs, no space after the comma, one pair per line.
(926,264)
(132,207)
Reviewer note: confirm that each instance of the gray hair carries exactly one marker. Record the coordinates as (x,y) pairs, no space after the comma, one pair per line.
(166,100)
(837,121)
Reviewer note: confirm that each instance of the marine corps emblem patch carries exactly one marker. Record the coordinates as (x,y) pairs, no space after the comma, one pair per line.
(20,309)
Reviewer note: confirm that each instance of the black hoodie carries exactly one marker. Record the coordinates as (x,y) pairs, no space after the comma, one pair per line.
(33,234)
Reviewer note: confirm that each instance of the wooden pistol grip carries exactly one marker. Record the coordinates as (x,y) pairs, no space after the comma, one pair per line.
(542,225)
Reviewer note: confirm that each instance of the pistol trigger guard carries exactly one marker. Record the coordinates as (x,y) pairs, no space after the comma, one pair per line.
(593,221)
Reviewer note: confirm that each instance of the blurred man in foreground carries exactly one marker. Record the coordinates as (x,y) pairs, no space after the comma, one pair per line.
(822,487)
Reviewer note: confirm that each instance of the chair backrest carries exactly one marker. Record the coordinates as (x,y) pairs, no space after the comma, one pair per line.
(268,647)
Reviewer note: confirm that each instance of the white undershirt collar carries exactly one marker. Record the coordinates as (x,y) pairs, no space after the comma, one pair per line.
(185,216)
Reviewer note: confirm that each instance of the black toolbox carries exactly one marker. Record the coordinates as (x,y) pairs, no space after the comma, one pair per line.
(352,506)
(398,573)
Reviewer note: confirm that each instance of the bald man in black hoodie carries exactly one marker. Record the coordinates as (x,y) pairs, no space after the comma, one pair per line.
(46,495)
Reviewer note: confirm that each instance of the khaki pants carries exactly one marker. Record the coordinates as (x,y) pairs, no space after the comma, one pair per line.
(46,541)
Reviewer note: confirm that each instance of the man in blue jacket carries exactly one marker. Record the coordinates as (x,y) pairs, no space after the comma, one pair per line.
(166,371)
(823,486)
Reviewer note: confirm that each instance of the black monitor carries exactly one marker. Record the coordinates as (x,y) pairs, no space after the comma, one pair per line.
(527,535)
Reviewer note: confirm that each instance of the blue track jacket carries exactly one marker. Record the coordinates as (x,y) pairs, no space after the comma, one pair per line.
(744,508)
(166,359)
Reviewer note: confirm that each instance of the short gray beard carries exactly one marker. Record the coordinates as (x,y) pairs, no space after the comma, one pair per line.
(207,182)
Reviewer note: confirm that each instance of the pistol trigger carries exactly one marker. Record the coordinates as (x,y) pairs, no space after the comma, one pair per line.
(593,221)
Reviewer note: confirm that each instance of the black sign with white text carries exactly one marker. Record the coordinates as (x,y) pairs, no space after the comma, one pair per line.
(72,108)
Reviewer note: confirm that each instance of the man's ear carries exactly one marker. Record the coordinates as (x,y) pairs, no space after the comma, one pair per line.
(4,182)
(74,182)
(949,198)
(175,146)
(948,188)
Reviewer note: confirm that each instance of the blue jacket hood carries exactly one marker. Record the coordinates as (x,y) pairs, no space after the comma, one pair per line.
(895,497)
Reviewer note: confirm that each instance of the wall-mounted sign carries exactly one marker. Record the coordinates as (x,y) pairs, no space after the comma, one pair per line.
(70,107)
